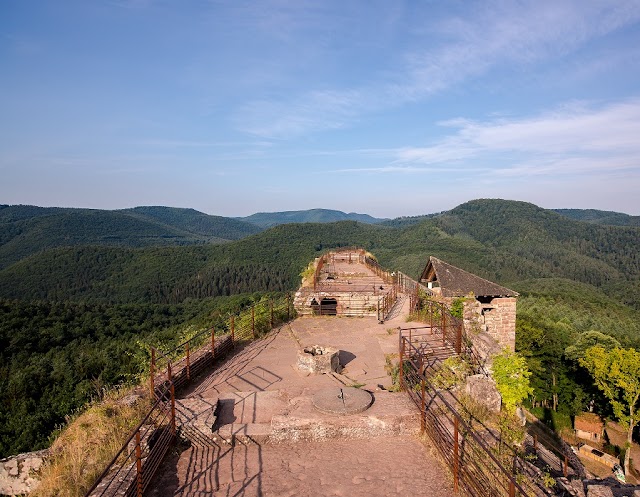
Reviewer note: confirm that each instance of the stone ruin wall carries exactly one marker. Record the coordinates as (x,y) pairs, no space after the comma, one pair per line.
(496,318)
(349,304)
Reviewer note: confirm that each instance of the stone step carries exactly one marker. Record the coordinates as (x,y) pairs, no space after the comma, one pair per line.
(294,429)
(243,433)
(314,428)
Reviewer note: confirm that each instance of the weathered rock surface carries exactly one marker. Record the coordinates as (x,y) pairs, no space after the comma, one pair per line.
(599,491)
(483,390)
(19,474)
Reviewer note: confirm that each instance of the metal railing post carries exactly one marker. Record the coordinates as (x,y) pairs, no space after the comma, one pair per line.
(233,330)
(423,397)
(253,321)
(173,409)
(213,344)
(138,465)
(443,324)
(456,457)
(401,365)
(430,317)
(188,364)
(271,313)
(152,371)
(169,375)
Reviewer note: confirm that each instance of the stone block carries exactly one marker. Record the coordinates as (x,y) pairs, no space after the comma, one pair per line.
(319,360)
(483,390)
(19,474)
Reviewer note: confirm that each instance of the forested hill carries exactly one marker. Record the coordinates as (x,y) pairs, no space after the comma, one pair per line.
(505,241)
(601,217)
(269,219)
(26,230)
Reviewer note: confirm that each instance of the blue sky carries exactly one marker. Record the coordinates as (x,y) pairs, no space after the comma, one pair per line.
(386,107)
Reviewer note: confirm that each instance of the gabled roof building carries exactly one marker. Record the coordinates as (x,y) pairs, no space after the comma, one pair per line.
(489,306)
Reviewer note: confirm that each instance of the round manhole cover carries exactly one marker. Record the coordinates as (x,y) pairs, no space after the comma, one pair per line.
(342,400)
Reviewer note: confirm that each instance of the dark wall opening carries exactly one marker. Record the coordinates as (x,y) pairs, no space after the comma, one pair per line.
(328,307)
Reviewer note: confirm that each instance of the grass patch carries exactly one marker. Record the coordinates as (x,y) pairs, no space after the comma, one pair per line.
(88,443)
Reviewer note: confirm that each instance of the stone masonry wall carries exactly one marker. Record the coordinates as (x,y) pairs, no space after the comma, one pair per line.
(497,318)
(501,321)
(349,303)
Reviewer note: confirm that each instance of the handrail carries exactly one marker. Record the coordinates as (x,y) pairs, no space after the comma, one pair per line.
(459,421)
(121,467)
(157,449)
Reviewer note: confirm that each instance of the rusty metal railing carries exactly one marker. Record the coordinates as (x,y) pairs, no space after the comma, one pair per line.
(437,318)
(477,458)
(386,303)
(386,276)
(131,470)
(190,358)
(408,285)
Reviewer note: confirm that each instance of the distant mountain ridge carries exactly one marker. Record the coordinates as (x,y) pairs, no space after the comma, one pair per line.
(25,230)
(504,241)
(600,217)
(269,219)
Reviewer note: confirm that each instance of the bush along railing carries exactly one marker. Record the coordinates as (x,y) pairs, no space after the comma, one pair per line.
(133,467)
(477,458)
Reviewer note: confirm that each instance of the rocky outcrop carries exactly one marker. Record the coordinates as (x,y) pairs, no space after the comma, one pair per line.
(19,474)
(483,390)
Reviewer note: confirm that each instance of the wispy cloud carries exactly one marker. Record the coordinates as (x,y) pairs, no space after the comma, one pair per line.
(488,36)
(316,110)
(170,143)
(574,139)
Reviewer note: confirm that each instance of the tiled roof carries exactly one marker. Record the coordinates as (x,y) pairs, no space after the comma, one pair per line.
(456,282)
(589,422)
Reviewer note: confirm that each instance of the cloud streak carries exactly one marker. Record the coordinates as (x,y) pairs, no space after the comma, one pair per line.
(573,139)
(488,37)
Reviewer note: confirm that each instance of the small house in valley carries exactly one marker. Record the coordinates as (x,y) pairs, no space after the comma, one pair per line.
(589,426)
